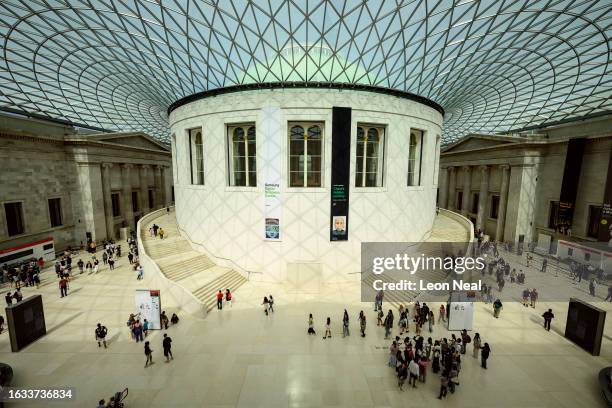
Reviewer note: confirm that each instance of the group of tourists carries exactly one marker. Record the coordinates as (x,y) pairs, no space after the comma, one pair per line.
(411,357)
(156,231)
(221,297)
(23,274)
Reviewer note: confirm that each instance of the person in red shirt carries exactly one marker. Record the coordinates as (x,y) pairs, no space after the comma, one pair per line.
(220,300)
(63,285)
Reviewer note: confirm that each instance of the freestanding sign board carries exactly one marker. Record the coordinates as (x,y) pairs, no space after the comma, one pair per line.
(148,304)
(26,322)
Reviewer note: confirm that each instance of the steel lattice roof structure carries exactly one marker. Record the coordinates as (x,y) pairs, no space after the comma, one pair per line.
(493,65)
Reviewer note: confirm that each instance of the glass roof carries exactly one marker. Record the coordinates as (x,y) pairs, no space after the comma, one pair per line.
(492,65)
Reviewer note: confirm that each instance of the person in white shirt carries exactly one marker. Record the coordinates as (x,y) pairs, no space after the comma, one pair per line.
(413,367)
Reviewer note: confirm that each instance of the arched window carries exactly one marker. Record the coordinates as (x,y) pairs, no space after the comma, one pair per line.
(415,153)
(369,156)
(196,157)
(305,154)
(243,155)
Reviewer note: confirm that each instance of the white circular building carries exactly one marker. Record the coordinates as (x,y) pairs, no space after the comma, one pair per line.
(285,180)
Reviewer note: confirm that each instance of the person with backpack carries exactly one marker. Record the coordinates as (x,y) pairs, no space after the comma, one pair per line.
(101,332)
(149,353)
(548,316)
(497,308)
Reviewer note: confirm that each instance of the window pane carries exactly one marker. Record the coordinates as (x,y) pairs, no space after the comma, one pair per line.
(314,179)
(314,147)
(372,165)
(360,134)
(238,135)
(297,147)
(296,179)
(252,178)
(240,178)
(297,133)
(314,132)
(14,218)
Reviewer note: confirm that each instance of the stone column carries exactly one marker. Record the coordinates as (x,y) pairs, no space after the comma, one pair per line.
(443,188)
(451,188)
(467,189)
(482,201)
(108,202)
(158,187)
(164,200)
(503,202)
(144,188)
(126,191)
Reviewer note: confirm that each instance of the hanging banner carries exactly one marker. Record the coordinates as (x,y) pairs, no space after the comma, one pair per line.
(148,304)
(340,169)
(271,134)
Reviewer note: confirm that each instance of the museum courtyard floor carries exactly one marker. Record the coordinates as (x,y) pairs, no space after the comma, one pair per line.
(239,357)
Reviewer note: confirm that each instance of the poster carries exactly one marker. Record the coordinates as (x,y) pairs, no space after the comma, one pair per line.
(149,306)
(460,316)
(272,135)
(341,149)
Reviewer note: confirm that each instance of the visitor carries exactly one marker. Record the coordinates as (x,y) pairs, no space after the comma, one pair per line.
(161,233)
(393,349)
(345,324)
(155,228)
(477,345)
(592,283)
(1,324)
(265,304)
(327,329)
(228,297)
(442,314)
(379,317)
(413,368)
(101,404)
(174,319)
(533,296)
(431,320)
(150,231)
(104,258)
(402,374)
(101,332)
(167,345)
(140,271)
(435,366)
(149,353)
(88,268)
(80,264)
(484,355)
(220,300)
(164,320)
(138,331)
(423,363)
(548,316)
(497,307)
(130,258)
(443,385)
(388,324)
(145,327)
(609,297)
(311,329)
(271,303)
(111,262)
(362,323)
(465,339)
(63,285)
(8,298)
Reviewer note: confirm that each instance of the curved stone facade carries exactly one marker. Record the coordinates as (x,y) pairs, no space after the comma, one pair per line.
(229,220)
